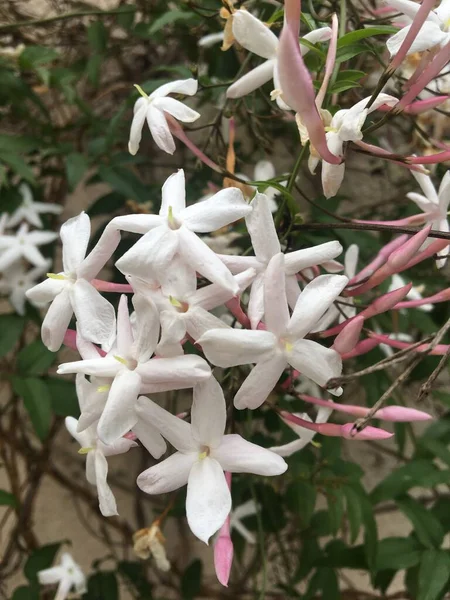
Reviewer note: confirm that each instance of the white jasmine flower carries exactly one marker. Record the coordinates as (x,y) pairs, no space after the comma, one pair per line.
(29,210)
(24,244)
(238,514)
(17,280)
(67,575)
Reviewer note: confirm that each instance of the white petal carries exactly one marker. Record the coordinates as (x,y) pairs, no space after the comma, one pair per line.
(322,34)
(168,475)
(253,35)
(309,257)
(32,254)
(40,238)
(208,413)
(261,381)
(150,438)
(57,321)
(124,339)
(232,347)
(208,500)
(52,575)
(351,260)
(82,438)
(292,289)
(187,370)
(96,318)
(173,330)
(314,300)
(119,414)
(107,502)
(75,238)
(427,186)
(236,455)
(199,321)
(430,35)
(444,193)
(315,361)
(422,202)
(255,309)
(159,129)
(252,80)
(262,230)
(136,127)
(9,256)
(177,109)
(180,86)
(63,588)
(276,311)
(100,367)
(173,194)
(173,429)
(332,177)
(46,291)
(179,281)
(264,170)
(223,208)
(147,328)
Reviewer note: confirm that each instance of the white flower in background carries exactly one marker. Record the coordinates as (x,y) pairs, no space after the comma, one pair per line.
(414,294)
(174,231)
(256,37)
(434,205)
(204,453)
(247,509)
(344,126)
(96,464)
(345,310)
(153,108)
(266,245)
(132,371)
(211,39)
(24,245)
(435,31)
(283,343)
(264,170)
(305,435)
(67,575)
(70,291)
(17,280)
(30,211)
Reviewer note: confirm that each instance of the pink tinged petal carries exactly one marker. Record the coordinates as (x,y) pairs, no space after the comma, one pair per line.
(253,35)
(314,300)
(349,336)
(315,361)
(223,208)
(430,35)
(252,80)
(174,430)
(232,347)
(276,309)
(124,339)
(223,558)
(119,414)
(386,301)
(46,291)
(150,438)
(160,129)
(52,575)
(208,500)
(180,86)
(261,381)
(87,350)
(330,61)
(75,238)
(136,125)
(238,264)
(168,475)
(57,321)
(262,230)
(239,456)
(147,328)
(96,319)
(309,257)
(179,371)
(201,258)
(256,301)
(173,194)
(298,91)
(107,502)
(208,413)
(177,109)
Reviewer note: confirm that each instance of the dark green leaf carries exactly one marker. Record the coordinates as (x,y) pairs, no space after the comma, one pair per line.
(342,86)
(7,499)
(103,585)
(437,449)
(76,166)
(124,181)
(354,511)
(17,164)
(402,479)
(370,532)
(191,580)
(398,553)
(135,574)
(335,501)
(347,52)
(434,574)
(34,56)
(63,397)
(301,500)
(169,17)
(97,36)
(35,359)
(93,67)
(361,34)
(35,395)
(106,205)
(11,327)
(26,593)
(426,526)
(40,559)
(19,143)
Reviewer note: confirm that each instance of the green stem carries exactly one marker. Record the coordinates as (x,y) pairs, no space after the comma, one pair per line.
(342,17)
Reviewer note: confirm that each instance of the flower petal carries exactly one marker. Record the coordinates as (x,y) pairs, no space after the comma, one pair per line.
(119,414)
(208,413)
(107,502)
(96,318)
(75,238)
(252,80)
(236,455)
(430,35)
(82,438)
(150,438)
(208,500)
(253,35)
(124,339)
(173,194)
(187,369)
(223,208)
(232,347)
(146,331)
(159,129)
(100,367)
(177,109)
(57,321)
(255,308)
(276,311)
(52,575)
(351,260)
(45,292)
(168,475)
(314,300)
(180,86)
(315,361)
(261,381)
(136,125)
(262,230)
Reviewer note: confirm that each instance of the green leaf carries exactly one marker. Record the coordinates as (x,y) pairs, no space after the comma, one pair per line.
(124,181)
(135,574)
(335,500)
(191,580)
(19,143)
(434,574)
(398,553)
(437,449)
(347,52)
(361,34)
(35,359)
(76,166)
(426,526)
(401,480)
(34,56)
(102,585)
(106,205)
(97,36)
(168,18)
(17,164)
(7,499)
(63,397)
(313,47)
(350,75)
(26,593)
(11,327)
(354,511)
(370,532)
(35,395)
(301,500)
(40,559)
(342,86)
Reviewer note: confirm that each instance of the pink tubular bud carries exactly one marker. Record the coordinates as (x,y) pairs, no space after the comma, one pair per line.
(346,431)
(432,249)
(223,554)
(234,306)
(430,159)
(400,414)
(380,259)
(421,106)
(349,432)
(381,338)
(441,296)
(386,301)
(70,341)
(179,133)
(347,339)
(400,257)
(362,347)
(108,286)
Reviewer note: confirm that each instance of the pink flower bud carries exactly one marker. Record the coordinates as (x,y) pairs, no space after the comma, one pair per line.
(386,301)
(400,414)
(346,431)
(223,554)
(400,257)
(362,347)
(349,432)
(347,339)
